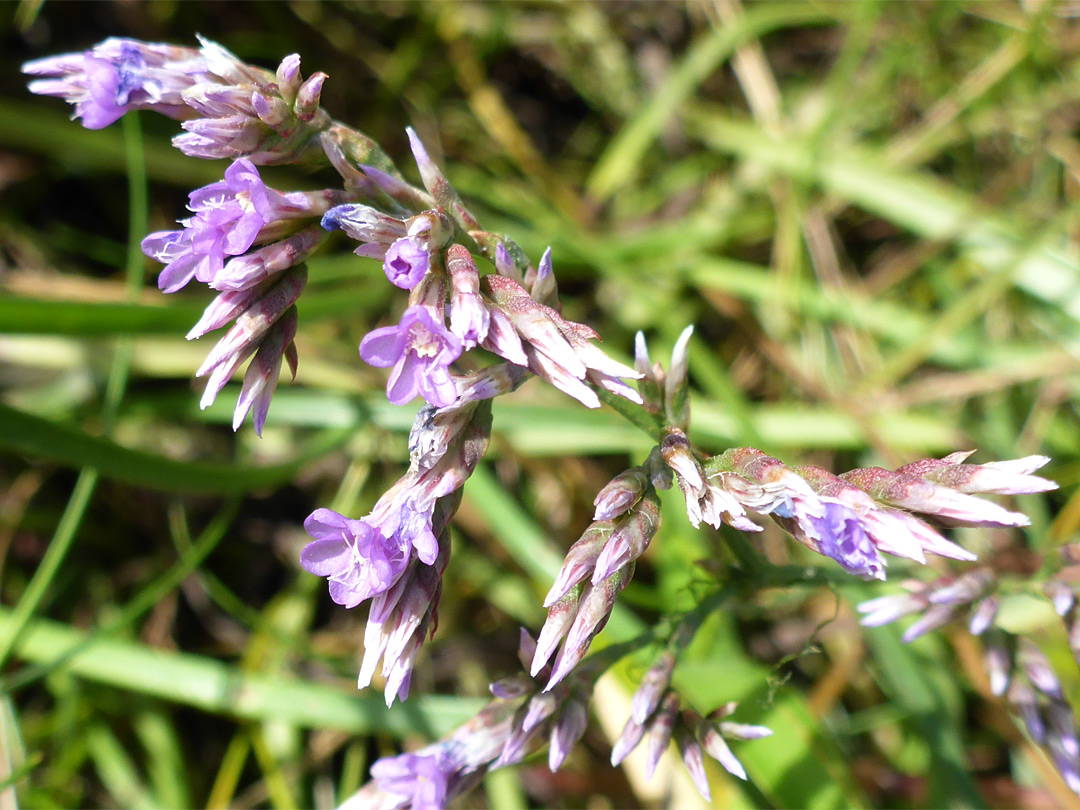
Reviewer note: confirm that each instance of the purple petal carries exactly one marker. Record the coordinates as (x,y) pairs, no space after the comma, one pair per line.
(403,384)
(178,273)
(383,347)
(438,388)
(326,524)
(242,236)
(324,558)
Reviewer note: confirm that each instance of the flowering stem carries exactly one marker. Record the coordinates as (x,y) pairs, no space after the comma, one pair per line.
(635,414)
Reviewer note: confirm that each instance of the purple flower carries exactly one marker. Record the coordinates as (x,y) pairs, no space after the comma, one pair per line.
(843,538)
(229,214)
(406,262)
(420,349)
(119,75)
(230,217)
(420,778)
(357,559)
(174,250)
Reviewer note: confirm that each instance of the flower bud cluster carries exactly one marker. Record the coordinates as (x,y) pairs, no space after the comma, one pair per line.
(426,255)
(1020,671)
(939,602)
(429,778)
(229,109)
(596,569)
(397,554)
(559,715)
(513,725)
(248,241)
(655,714)
(264,323)
(854,517)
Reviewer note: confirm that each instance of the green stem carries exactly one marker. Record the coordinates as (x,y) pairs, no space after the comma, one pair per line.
(635,414)
(50,563)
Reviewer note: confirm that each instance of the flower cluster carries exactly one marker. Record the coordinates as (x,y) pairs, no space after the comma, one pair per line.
(941,600)
(655,712)
(229,109)
(248,242)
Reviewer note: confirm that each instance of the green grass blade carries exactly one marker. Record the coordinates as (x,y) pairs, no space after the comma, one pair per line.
(218,688)
(116,769)
(619,163)
(39,438)
(924,205)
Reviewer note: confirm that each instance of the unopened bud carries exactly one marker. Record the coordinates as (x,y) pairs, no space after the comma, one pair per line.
(560,618)
(288,76)
(964,589)
(1036,666)
(272,111)
(653,686)
(935,617)
(715,746)
(580,561)
(594,610)
(692,758)
(676,387)
(261,378)
(631,735)
(567,729)
(983,615)
(507,262)
(675,449)
(258,265)
(630,538)
(1023,700)
(526,648)
(544,289)
(502,338)
(743,731)
(491,382)
(660,731)
(512,687)
(622,492)
(223,309)
(438,186)
(364,223)
(307,98)
(998,663)
(540,708)
(469,318)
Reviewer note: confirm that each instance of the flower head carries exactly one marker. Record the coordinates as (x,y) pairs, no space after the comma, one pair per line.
(407,261)
(358,560)
(421,779)
(229,217)
(420,349)
(119,75)
(841,537)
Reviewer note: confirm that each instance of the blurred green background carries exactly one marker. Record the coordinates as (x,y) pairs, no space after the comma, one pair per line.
(868,210)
